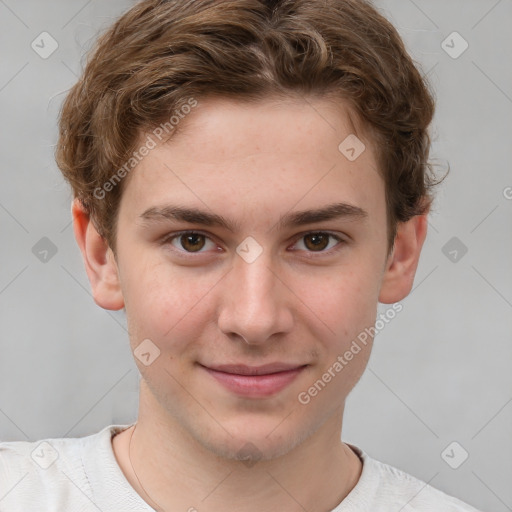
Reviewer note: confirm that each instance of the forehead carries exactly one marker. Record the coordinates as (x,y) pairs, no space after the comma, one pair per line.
(266,156)
(228,128)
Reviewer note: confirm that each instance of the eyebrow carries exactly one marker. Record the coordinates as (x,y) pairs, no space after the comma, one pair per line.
(292,219)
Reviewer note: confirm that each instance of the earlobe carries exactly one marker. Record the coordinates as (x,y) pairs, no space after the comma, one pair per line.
(401,267)
(99,260)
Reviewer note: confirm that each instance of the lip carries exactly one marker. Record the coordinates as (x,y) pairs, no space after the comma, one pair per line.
(255,381)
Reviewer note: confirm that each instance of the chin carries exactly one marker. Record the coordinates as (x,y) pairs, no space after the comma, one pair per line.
(249,450)
(251,441)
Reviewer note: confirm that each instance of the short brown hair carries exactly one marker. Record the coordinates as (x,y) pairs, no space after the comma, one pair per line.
(160,54)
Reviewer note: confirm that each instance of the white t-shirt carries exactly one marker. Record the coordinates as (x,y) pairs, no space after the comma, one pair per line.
(82,475)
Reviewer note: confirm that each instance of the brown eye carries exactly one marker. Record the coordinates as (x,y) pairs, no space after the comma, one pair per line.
(320,242)
(188,242)
(192,242)
(317,241)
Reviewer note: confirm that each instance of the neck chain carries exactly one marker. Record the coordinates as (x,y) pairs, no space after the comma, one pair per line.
(158,507)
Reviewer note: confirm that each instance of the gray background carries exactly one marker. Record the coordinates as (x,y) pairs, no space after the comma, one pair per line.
(440,372)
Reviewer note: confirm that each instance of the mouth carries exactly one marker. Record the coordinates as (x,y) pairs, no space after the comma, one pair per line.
(255,381)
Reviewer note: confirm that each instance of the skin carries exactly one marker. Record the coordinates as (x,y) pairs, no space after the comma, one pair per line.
(251,164)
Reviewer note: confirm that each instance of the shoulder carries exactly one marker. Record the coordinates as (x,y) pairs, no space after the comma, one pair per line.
(391,486)
(46,474)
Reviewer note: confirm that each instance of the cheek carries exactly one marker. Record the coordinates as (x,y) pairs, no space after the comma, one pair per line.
(165,304)
(343,302)
(347,306)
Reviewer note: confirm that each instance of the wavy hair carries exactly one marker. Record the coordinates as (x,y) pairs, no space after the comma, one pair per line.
(160,53)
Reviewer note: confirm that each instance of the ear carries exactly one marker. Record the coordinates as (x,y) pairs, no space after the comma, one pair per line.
(401,266)
(99,260)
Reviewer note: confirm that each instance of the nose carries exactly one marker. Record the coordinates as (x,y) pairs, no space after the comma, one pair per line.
(255,301)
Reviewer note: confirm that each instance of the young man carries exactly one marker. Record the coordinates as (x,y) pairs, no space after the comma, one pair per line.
(250,180)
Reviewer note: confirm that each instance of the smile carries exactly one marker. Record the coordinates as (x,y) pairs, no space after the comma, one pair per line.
(261,381)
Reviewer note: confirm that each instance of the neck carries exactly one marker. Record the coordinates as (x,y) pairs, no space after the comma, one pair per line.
(171,470)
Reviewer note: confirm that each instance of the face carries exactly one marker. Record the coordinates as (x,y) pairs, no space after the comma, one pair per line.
(260,289)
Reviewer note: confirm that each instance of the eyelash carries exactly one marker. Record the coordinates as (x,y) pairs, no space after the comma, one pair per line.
(312,254)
